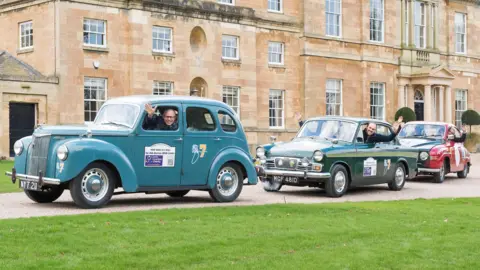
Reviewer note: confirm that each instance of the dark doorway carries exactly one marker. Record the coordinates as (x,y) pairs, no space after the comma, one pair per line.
(419,110)
(22,122)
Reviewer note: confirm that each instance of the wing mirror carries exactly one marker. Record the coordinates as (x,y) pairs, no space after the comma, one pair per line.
(273,139)
(450,137)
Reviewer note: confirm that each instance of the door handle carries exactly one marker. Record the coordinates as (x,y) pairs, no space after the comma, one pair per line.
(179,139)
(217,139)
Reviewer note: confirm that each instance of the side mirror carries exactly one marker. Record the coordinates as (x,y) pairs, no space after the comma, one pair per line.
(450,137)
(360,139)
(273,139)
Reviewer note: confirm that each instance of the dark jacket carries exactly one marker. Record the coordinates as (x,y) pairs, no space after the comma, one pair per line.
(157,123)
(461,139)
(375,138)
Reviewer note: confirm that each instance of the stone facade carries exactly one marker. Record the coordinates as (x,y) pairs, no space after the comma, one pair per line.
(312,58)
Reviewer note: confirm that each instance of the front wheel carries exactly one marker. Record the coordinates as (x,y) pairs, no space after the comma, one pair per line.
(440,176)
(337,184)
(48,195)
(270,185)
(398,180)
(228,184)
(93,187)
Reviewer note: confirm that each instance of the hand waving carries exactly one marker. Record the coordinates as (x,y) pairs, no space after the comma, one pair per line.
(298,116)
(149,109)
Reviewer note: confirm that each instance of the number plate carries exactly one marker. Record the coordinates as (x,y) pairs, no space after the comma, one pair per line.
(285,179)
(29,185)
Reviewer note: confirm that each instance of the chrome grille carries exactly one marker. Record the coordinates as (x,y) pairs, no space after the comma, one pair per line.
(38,154)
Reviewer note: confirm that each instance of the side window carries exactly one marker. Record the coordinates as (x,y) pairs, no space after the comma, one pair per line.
(163,118)
(359,137)
(199,119)
(226,122)
(385,131)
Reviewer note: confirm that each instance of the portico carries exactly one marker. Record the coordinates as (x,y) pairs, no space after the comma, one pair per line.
(427,92)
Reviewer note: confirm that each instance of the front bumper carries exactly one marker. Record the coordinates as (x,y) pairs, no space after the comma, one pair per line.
(428,170)
(261,171)
(32,178)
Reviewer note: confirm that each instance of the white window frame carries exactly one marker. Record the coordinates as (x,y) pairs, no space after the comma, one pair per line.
(332,13)
(227,2)
(420,28)
(104,40)
(407,23)
(460,93)
(160,88)
(158,30)
(237,57)
(29,25)
(339,83)
(378,86)
(105,84)
(460,33)
(382,20)
(282,117)
(229,93)
(281,53)
(275,2)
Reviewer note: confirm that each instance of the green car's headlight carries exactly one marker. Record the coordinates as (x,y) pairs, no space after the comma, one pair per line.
(423,156)
(318,156)
(260,152)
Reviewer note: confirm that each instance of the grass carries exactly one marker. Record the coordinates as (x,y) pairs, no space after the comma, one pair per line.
(5,182)
(419,234)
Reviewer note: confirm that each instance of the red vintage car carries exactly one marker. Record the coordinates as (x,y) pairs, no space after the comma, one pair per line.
(440,148)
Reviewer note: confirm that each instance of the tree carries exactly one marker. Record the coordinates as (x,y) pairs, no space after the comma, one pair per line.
(407,113)
(471,118)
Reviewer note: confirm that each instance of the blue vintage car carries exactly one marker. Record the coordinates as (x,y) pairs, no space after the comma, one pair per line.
(126,147)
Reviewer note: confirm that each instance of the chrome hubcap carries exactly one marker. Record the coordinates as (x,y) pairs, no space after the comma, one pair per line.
(399,176)
(94,184)
(340,181)
(227,181)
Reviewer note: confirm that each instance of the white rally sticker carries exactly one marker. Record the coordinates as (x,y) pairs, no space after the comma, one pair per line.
(159,155)
(370,167)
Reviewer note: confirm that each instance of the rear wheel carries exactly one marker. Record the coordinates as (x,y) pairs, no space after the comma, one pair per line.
(464,173)
(177,194)
(48,195)
(337,184)
(398,180)
(93,187)
(228,184)
(440,176)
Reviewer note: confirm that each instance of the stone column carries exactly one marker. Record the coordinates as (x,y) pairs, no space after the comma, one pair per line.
(410,97)
(441,113)
(428,25)
(427,102)
(411,23)
(401,95)
(448,104)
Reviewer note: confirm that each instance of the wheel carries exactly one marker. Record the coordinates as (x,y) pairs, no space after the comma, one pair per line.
(48,195)
(271,186)
(228,184)
(440,176)
(93,187)
(337,184)
(178,193)
(463,174)
(398,180)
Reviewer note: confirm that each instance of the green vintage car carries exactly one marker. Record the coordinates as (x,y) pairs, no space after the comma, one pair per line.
(330,153)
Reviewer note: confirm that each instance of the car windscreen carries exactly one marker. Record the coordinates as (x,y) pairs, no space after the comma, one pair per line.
(118,114)
(422,131)
(329,129)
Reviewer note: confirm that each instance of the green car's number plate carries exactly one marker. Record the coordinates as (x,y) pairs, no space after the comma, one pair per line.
(29,185)
(285,179)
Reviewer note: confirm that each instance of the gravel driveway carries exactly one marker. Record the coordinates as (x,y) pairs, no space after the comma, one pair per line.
(17,205)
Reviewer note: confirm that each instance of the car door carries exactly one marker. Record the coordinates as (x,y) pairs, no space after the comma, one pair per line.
(158,153)
(369,162)
(456,152)
(202,141)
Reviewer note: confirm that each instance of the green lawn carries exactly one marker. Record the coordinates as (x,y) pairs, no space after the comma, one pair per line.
(5,182)
(420,234)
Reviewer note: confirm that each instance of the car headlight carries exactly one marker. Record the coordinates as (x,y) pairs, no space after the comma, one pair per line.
(62,152)
(18,147)
(318,156)
(260,152)
(423,156)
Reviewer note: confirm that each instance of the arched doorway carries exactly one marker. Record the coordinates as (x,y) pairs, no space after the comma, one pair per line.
(419,104)
(198,87)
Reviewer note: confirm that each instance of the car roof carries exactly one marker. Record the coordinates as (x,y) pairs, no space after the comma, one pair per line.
(144,99)
(428,123)
(349,118)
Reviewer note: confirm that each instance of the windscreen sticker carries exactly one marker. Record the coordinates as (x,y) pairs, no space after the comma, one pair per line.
(370,167)
(159,155)
(386,166)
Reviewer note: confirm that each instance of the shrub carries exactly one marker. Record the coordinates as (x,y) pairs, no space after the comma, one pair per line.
(407,113)
(470,118)
(471,142)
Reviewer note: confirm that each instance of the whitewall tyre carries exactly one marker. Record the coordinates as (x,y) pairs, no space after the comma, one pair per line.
(228,183)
